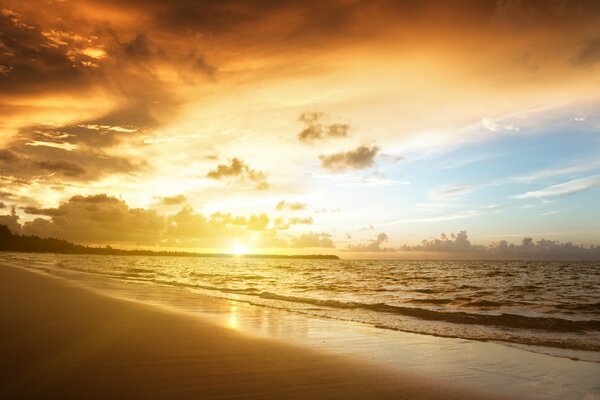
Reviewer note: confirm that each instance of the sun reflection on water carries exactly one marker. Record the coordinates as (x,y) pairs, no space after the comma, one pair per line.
(233,322)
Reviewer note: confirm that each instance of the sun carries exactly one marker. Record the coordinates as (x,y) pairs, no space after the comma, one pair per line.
(239,250)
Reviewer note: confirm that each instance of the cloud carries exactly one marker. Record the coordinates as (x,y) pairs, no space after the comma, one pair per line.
(99,219)
(253,223)
(95,219)
(39,154)
(460,245)
(563,189)
(362,157)
(458,242)
(552,172)
(315,129)
(239,169)
(452,192)
(312,239)
(103,219)
(66,168)
(8,157)
(173,200)
(496,127)
(284,205)
(589,52)
(283,223)
(28,56)
(374,246)
(11,221)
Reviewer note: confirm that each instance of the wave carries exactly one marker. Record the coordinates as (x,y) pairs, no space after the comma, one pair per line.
(506,320)
(503,320)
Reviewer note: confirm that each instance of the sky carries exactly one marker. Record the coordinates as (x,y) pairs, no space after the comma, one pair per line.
(369,129)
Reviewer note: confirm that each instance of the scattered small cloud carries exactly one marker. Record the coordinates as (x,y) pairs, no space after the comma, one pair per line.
(312,239)
(550,213)
(493,126)
(316,130)
(239,169)
(172,200)
(452,192)
(361,157)
(374,246)
(284,224)
(284,205)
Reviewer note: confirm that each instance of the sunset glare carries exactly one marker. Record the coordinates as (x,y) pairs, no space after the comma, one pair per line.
(371,130)
(300,199)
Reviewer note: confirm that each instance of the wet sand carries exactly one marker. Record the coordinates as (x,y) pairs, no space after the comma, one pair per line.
(58,340)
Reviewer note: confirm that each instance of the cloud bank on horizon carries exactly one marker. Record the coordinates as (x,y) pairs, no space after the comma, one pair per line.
(204,121)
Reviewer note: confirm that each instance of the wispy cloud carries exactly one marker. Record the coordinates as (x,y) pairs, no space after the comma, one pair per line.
(353,180)
(436,218)
(551,172)
(563,189)
(452,191)
(550,213)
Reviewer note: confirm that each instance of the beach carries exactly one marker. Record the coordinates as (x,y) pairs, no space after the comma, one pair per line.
(59,340)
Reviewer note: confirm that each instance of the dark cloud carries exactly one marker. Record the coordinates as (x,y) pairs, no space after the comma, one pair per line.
(34,62)
(7,195)
(362,157)
(66,168)
(239,169)
(315,129)
(374,246)
(589,52)
(49,212)
(312,239)
(173,200)
(96,219)
(8,157)
(532,13)
(2,205)
(195,64)
(37,155)
(106,219)
(460,245)
(284,205)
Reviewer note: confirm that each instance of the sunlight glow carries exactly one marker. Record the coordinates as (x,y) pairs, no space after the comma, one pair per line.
(239,250)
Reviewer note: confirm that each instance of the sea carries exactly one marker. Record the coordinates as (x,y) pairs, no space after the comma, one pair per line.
(548,307)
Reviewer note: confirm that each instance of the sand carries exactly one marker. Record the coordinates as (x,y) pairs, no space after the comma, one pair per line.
(59,340)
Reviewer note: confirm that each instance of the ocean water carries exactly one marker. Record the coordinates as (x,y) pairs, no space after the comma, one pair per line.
(552,307)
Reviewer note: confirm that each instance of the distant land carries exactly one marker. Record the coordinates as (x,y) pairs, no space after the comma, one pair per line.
(36,244)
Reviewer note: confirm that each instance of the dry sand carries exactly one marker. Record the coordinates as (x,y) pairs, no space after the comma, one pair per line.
(58,340)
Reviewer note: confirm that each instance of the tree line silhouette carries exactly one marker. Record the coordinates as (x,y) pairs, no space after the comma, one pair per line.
(36,244)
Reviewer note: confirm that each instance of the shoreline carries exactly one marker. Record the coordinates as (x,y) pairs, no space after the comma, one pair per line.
(492,367)
(62,341)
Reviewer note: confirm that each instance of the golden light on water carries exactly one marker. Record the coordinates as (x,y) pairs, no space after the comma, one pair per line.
(232,322)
